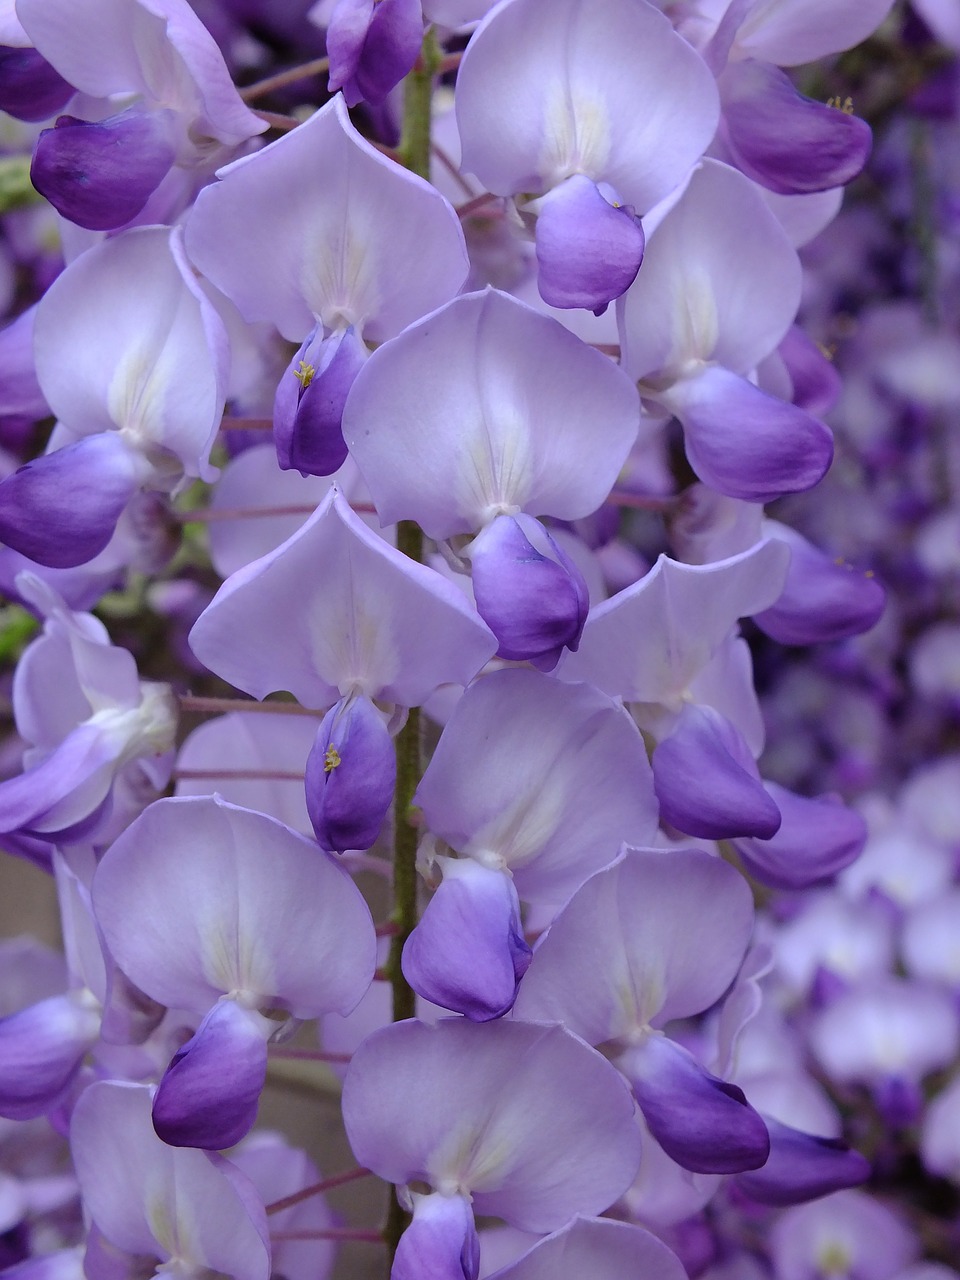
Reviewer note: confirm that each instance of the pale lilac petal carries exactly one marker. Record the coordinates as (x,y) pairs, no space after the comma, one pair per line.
(150,361)
(802,1167)
(277,1171)
(196,76)
(100,174)
(157,48)
(41,1049)
(528,591)
(250,481)
(588,250)
(720,280)
(161,1201)
(789,32)
(468,951)
(818,837)
(320,225)
(706,780)
(527,1118)
(648,642)
(872,1240)
(415,631)
(209,1093)
(350,776)
(440,1243)
(745,443)
(198,898)
(259,743)
(599,1248)
(544,94)
(703,1123)
(634,920)
(62,508)
(889,1029)
(502,427)
(785,141)
(545,778)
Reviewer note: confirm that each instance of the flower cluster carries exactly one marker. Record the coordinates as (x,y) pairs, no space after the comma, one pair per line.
(418,436)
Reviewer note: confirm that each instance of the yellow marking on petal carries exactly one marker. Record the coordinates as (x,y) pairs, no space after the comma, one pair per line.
(331,759)
(834,1260)
(304,373)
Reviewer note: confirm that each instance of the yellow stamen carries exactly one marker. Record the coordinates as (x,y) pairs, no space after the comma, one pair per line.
(841,104)
(304,373)
(331,759)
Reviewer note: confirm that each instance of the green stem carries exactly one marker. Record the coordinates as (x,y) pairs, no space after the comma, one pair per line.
(16,189)
(417,104)
(415,155)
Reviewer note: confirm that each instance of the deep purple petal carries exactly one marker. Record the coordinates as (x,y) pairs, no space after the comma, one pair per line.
(528,591)
(61,509)
(468,952)
(209,1094)
(372,47)
(818,837)
(589,250)
(350,776)
(784,141)
(41,1049)
(706,781)
(802,1167)
(308,409)
(816,383)
(823,598)
(703,1123)
(745,443)
(441,1242)
(101,174)
(30,89)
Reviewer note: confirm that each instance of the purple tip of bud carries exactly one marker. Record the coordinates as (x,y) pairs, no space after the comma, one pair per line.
(41,1049)
(100,174)
(528,591)
(588,250)
(802,1167)
(704,1124)
(786,142)
(441,1242)
(308,408)
(818,837)
(61,509)
(468,952)
(707,782)
(823,599)
(350,776)
(30,89)
(209,1093)
(372,46)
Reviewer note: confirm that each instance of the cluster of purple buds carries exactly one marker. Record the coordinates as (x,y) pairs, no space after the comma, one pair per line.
(434,437)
